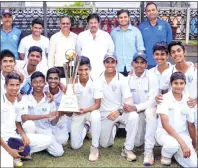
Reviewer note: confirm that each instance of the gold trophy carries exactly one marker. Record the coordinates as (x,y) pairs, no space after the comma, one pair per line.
(69,102)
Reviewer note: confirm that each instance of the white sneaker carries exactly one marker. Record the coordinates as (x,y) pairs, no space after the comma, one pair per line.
(148,158)
(18,162)
(94,154)
(165,161)
(128,154)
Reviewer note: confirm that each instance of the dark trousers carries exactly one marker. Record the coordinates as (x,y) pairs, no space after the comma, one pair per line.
(125,72)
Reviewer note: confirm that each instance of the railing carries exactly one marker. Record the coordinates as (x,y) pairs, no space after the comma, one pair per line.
(177,17)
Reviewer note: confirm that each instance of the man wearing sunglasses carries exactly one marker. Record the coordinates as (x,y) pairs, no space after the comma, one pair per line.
(60,43)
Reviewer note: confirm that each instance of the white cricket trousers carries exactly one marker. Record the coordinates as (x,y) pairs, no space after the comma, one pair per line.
(6,159)
(129,119)
(170,147)
(78,130)
(147,129)
(55,148)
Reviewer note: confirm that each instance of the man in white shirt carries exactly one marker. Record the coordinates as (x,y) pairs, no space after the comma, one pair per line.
(89,94)
(61,42)
(143,93)
(94,43)
(35,39)
(44,115)
(11,111)
(176,131)
(116,92)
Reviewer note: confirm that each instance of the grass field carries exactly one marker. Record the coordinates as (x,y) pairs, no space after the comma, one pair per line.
(79,158)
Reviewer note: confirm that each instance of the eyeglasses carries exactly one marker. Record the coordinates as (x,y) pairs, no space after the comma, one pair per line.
(35,48)
(65,23)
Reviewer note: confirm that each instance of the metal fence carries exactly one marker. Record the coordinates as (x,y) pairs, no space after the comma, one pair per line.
(177,17)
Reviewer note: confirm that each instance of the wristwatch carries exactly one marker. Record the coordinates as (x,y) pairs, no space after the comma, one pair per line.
(120,110)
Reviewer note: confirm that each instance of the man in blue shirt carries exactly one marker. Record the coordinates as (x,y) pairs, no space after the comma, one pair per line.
(127,40)
(10,35)
(154,30)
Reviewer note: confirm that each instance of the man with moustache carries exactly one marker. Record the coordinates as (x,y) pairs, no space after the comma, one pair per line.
(60,43)
(95,44)
(154,30)
(10,35)
(127,40)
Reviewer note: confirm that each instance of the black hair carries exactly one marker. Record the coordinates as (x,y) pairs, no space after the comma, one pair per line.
(162,46)
(35,48)
(150,3)
(177,75)
(85,61)
(7,53)
(37,21)
(174,43)
(12,75)
(37,74)
(65,17)
(53,70)
(123,11)
(93,16)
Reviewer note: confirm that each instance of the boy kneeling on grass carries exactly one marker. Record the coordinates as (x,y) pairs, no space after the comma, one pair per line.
(176,130)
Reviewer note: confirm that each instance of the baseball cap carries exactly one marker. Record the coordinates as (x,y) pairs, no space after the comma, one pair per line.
(6,11)
(141,55)
(110,55)
(16,143)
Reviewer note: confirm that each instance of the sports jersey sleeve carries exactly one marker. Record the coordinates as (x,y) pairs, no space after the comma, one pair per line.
(98,91)
(125,90)
(21,48)
(191,115)
(162,108)
(52,109)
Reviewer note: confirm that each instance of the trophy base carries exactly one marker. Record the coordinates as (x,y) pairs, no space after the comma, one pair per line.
(69,103)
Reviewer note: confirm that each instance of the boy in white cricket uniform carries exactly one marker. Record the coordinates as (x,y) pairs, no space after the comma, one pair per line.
(27,68)
(43,114)
(175,124)
(89,96)
(64,123)
(11,111)
(177,52)
(116,91)
(143,93)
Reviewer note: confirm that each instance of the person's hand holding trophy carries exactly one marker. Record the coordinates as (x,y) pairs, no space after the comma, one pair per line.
(69,102)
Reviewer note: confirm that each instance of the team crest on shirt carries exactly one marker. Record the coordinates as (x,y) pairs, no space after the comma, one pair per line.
(133,90)
(146,91)
(190,79)
(113,87)
(90,91)
(171,109)
(14,36)
(159,27)
(4,110)
(44,109)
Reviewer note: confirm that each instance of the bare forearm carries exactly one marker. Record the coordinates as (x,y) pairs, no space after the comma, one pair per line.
(20,129)
(4,145)
(193,133)
(92,108)
(32,117)
(172,133)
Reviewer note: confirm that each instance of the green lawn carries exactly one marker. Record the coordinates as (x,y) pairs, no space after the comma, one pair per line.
(79,158)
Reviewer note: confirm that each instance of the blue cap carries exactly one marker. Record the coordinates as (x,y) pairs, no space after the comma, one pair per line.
(110,55)
(16,143)
(141,55)
(6,11)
